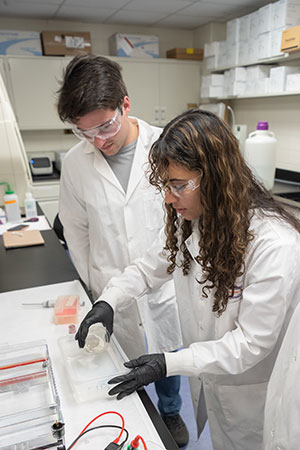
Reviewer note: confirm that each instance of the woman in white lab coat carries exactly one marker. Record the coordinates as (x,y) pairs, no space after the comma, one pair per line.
(234,254)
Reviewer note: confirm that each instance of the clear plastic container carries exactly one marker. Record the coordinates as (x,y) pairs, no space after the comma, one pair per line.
(28,397)
(88,373)
(97,338)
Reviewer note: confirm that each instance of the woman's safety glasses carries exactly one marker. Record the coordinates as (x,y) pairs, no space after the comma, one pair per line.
(104,131)
(182,188)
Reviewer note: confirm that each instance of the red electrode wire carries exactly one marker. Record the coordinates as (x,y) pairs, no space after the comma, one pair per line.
(24,363)
(100,415)
(135,442)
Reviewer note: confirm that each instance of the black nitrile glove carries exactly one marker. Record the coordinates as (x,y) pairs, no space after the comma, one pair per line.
(145,370)
(100,312)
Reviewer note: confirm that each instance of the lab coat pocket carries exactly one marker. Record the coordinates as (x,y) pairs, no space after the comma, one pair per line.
(227,321)
(153,209)
(243,408)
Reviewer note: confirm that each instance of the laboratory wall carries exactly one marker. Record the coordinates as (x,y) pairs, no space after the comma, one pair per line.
(100,33)
(37,141)
(282,112)
(283,115)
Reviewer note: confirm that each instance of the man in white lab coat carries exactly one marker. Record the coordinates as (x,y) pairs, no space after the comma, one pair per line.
(111,214)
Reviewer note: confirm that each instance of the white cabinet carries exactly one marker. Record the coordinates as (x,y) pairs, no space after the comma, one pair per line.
(50,209)
(47,195)
(34,82)
(142,79)
(159,89)
(179,84)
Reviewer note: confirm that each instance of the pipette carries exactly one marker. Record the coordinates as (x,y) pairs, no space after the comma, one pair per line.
(47,304)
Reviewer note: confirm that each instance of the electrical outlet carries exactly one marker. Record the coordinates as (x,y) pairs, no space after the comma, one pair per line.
(157,114)
(163,113)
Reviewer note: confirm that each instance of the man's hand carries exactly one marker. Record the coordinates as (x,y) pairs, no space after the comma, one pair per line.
(100,312)
(145,370)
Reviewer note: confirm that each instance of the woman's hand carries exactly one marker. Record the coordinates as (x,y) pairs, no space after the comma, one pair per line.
(145,370)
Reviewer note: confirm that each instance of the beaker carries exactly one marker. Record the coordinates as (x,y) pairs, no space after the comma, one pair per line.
(97,338)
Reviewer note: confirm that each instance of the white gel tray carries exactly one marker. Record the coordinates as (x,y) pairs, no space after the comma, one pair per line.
(89,372)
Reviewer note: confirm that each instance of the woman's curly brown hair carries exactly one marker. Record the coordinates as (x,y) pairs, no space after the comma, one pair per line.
(228,196)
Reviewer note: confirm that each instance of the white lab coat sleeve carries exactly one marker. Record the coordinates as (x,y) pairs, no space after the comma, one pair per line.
(272,274)
(73,216)
(142,276)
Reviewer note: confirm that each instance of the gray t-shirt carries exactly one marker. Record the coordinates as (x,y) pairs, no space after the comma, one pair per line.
(121,163)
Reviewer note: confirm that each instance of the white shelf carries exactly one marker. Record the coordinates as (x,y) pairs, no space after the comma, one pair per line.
(240,97)
(275,59)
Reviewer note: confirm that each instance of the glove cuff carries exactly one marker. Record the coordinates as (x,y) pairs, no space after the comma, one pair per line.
(103,305)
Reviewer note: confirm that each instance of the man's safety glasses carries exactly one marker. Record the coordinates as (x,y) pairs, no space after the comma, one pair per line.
(104,131)
(180,189)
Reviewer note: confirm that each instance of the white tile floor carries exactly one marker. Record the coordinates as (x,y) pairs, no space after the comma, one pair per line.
(187,413)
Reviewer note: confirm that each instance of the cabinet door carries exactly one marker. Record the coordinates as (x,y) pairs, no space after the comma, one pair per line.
(179,84)
(34,84)
(142,79)
(50,209)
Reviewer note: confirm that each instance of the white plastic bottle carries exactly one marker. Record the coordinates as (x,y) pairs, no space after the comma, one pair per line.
(260,154)
(30,205)
(11,204)
(2,216)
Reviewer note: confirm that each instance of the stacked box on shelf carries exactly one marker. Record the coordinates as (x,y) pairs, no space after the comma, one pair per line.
(278,77)
(273,19)
(293,82)
(232,41)
(213,55)
(212,86)
(235,81)
(258,35)
(285,13)
(264,26)
(257,79)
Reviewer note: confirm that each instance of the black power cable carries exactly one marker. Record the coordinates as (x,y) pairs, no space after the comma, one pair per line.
(95,428)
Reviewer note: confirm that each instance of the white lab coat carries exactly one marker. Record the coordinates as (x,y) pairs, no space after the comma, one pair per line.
(106,229)
(229,358)
(281,427)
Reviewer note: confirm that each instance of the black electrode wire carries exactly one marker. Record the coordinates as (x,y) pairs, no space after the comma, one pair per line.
(95,428)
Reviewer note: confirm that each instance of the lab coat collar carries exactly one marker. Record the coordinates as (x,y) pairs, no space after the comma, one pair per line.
(192,242)
(140,160)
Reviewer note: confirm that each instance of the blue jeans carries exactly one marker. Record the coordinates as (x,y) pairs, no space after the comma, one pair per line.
(169,399)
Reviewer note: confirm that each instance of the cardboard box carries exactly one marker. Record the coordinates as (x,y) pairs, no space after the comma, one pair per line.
(264,45)
(134,45)
(279,75)
(233,31)
(290,41)
(285,13)
(186,53)
(293,82)
(58,43)
(14,42)
(276,37)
